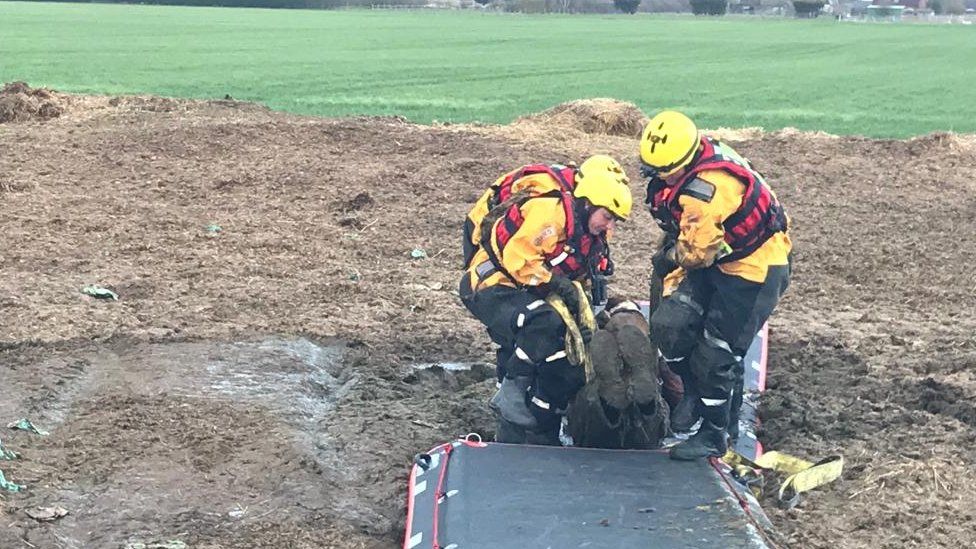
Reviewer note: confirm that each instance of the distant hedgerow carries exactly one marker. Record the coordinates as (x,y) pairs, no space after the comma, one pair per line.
(709,7)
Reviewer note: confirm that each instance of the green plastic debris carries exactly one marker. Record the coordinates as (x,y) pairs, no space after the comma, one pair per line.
(171,544)
(7,454)
(100,293)
(418,253)
(10,486)
(214,228)
(25,424)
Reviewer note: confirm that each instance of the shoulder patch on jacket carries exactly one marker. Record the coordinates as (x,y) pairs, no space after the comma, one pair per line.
(547,232)
(700,189)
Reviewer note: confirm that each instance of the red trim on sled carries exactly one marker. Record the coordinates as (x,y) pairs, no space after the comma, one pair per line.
(439,492)
(720,470)
(411,482)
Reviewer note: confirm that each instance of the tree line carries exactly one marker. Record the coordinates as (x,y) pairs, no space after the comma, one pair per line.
(802,8)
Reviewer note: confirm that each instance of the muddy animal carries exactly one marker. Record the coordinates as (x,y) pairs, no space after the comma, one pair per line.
(621,405)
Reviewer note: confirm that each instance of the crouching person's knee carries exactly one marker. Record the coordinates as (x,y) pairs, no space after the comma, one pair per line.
(676,326)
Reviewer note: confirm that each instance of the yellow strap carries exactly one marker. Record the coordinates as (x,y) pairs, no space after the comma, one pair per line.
(576,351)
(803,475)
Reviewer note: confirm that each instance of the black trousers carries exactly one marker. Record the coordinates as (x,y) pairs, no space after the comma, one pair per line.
(705,327)
(531,341)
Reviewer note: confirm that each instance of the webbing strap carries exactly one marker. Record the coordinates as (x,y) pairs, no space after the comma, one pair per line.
(576,352)
(803,475)
(493,257)
(498,215)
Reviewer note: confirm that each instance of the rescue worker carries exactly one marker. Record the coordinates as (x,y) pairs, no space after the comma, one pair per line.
(542,228)
(725,262)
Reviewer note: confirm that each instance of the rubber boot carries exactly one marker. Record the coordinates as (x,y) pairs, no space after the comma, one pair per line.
(509,402)
(709,441)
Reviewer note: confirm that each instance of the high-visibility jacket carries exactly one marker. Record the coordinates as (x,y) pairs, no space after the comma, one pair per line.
(723,212)
(528,181)
(533,240)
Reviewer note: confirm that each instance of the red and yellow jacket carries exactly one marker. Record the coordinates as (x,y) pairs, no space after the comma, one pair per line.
(722,213)
(534,240)
(532,180)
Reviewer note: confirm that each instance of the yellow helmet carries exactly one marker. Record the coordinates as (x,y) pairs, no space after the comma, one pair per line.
(602,181)
(668,143)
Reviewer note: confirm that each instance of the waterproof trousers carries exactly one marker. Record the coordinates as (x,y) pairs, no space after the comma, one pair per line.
(704,328)
(531,339)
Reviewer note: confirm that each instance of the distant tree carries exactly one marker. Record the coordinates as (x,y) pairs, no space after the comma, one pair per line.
(937,6)
(808,8)
(483,2)
(709,7)
(529,6)
(627,6)
(561,6)
(954,7)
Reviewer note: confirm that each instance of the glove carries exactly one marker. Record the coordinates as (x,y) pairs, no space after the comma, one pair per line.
(586,334)
(663,260)
(564,288)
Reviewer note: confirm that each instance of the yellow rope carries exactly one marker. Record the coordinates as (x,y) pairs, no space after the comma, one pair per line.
(576,351)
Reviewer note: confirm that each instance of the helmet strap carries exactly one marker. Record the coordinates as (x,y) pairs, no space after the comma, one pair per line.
(584,209)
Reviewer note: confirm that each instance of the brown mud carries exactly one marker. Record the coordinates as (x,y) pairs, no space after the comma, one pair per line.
(259,382)
(19,102)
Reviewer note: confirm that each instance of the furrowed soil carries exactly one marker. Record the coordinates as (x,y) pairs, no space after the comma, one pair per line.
(265,378)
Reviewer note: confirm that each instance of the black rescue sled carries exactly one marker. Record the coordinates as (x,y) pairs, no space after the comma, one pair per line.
(471,494)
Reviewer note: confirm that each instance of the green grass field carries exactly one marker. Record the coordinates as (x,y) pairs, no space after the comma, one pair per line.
(881,80)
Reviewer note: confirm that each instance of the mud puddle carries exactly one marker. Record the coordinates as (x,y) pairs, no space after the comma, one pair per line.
(144,438)
(295,378)
(450,376)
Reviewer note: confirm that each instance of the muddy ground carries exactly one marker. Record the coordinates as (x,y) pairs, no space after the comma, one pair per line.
(257,382)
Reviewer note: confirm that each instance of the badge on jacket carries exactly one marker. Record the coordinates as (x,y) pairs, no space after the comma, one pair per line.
(546,232)
(700,189)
